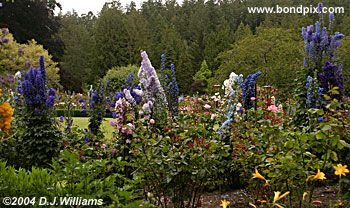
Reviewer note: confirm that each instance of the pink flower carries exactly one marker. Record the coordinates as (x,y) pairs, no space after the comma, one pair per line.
(103,146)
(206,106)
(126,131)
(253,98)
(273,109)
(206,113)
(152,121)
(113,123)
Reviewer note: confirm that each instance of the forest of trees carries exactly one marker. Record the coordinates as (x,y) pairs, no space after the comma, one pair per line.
(220,33)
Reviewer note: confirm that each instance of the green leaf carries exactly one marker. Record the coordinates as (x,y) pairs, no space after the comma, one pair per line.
(344,143)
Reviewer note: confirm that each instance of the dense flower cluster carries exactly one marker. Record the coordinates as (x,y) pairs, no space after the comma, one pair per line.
(127,100)
(152,90)
(6,113)
(249,89)
(231,82)
(34,90)
(319,44)
(332,76)
(229,116)
(125,117)
(314,93)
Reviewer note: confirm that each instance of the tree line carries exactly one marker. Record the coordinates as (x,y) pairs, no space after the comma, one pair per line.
(220,33)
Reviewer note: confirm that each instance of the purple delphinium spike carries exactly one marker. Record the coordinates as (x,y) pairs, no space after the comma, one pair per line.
(319,8)
(150,83)
(248,89)
(174,93)
(34,90)
(42,68)
(331,17)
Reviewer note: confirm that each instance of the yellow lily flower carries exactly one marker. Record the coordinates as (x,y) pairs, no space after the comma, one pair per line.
(259,176)
(341,170)
(278,196)
(319,176)
(224,203)
(251,204)
(304,195)
(279,206)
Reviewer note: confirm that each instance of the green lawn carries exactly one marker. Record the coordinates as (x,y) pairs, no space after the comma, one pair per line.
(83,122)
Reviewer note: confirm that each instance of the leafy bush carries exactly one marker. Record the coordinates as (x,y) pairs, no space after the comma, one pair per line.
(201,79)
(15,57)
(116,76)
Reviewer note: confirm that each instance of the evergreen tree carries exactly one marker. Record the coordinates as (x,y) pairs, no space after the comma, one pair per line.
(76,62)
(111,39)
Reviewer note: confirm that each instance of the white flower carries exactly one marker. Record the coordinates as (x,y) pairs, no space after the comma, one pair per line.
(229,83)
(206,106)
(273,100)
(213,116)
(280,108)
(18,75)
(147,107)
(233,76)
(216,97)
(152,121)
(129,97)
(130,125)
(238,106)
(138,92)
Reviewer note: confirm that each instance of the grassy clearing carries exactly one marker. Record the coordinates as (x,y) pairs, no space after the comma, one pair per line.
(83,122)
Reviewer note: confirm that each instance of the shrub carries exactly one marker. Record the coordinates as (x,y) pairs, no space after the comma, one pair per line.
(15,57)
(115,77)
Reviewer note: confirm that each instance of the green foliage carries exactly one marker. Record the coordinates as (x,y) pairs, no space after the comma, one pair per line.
(77,61)
(276,52)
(242,32)
(116,77)
(12,60)
(110,37)
(344,56)
(36,142)
(183,160)
(216,42)
(201,78)
(69,177)
(204,73)
(34,19)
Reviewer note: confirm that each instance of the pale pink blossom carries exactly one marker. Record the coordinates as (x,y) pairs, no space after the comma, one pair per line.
(273,109)
(206,106)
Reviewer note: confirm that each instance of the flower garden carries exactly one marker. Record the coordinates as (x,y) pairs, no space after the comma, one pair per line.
(166,150)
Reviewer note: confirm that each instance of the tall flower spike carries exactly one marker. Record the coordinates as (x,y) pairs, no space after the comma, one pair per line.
(331,17)
(150,82)
(174,92)
(319,8)
(248,89)
(42,68)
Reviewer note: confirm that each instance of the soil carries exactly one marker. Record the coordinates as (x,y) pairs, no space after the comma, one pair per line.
(241,198)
